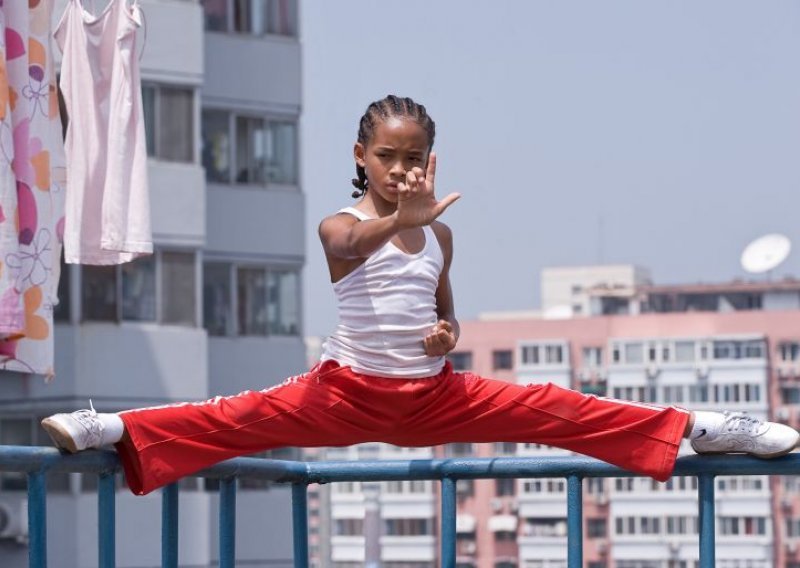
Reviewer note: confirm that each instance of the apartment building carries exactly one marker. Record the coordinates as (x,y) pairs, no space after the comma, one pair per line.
(707,347)
(216,309)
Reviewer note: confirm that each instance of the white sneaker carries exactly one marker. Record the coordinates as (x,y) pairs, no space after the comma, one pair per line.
(75,431)
(738,433)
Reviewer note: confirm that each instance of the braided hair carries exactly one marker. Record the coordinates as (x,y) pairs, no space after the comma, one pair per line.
(390,106)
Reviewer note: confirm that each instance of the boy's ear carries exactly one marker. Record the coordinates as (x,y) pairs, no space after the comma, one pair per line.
(359,153)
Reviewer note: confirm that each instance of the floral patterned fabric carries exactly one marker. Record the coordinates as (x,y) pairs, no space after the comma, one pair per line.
(32,187)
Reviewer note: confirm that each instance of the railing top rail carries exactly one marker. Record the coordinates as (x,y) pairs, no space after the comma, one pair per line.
(31,458)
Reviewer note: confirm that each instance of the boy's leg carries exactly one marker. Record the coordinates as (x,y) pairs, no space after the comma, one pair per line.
(163,444)
(637,437)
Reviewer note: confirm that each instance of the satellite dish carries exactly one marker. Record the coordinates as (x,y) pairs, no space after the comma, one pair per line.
(765,253)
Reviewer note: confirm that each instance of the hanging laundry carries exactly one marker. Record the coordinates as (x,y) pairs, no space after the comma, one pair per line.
(32,187)
(107,207)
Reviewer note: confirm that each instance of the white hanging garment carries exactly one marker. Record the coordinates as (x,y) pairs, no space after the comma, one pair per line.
(107,217)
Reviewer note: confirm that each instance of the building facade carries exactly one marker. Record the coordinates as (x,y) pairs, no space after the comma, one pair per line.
(216,309)
(732,346)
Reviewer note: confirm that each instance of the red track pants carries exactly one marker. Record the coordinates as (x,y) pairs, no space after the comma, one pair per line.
(334,406)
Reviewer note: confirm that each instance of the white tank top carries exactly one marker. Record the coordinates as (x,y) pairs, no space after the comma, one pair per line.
(107,204)
(386,307)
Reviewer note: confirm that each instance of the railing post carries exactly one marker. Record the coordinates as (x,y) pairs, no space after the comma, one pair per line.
(574,522)
(227,522)
(37,519)
(106,515)
(706,514)
(300,524)
(169,526)
(448,522)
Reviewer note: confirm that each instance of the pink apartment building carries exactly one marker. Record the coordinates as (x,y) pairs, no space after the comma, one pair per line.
(728,346)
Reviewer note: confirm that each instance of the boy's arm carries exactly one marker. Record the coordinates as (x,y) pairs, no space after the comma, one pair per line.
(344,236)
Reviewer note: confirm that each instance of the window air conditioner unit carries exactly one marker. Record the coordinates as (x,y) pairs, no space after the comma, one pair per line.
(497,505)
(14,521)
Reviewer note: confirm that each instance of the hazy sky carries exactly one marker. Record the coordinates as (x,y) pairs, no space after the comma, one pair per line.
(661,133)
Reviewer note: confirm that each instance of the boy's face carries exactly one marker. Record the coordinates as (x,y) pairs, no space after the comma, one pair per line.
(397,146)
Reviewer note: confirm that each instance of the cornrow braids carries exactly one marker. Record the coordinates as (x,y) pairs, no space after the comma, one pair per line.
(390,106)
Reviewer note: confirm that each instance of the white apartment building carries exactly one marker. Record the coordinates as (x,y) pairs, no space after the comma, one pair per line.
(216,309)
(406,518)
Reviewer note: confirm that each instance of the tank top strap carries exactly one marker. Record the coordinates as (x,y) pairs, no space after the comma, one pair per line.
(360,215)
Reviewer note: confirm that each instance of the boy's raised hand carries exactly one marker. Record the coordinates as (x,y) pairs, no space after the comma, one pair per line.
(416,201)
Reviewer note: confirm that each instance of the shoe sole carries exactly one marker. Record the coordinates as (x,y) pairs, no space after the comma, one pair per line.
(59,435)
(761,456)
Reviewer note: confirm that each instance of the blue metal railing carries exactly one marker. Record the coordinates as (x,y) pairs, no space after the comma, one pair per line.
(36,462)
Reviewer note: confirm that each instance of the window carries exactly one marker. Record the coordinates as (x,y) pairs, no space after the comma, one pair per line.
(634,353)
(128,292)
(407,527)
(684,351)
(251,295)
(553,354)
(753,349)
(217,146)
(348,527)
(461,360)
(465,487)
(542,354)
(283,304)
(139,289)
(99,297)
(530,355)
(265,149)
(252,17)
(502,359)
(178,288)
(459,450)
(169,122)
(216,15)
(504,487)
(789,351)
(592,357)
(505,448)
(748,526)
(217,298)
(266,301)
(596,527)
